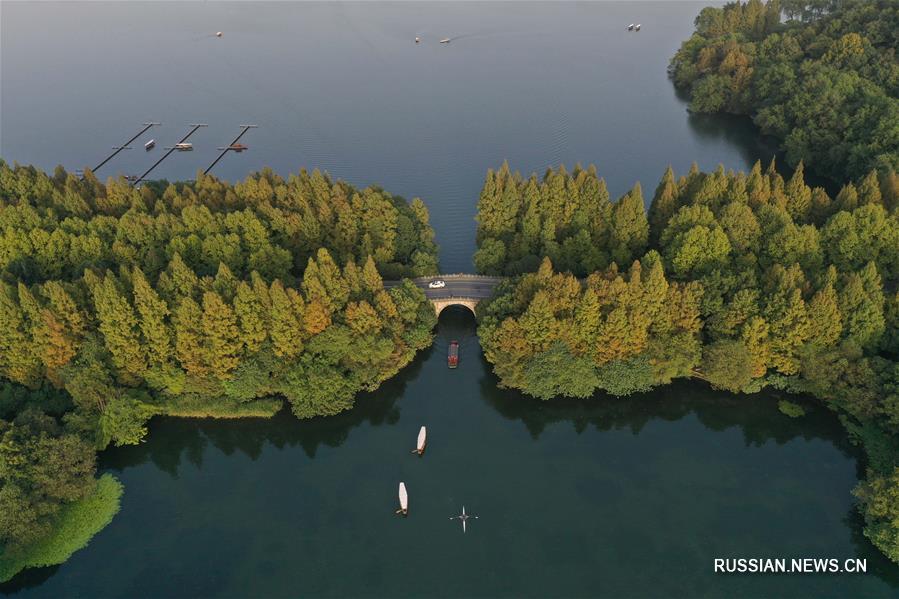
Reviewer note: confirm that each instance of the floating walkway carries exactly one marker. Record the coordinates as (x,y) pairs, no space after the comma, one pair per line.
(230,147)
(166,155)
(125,145)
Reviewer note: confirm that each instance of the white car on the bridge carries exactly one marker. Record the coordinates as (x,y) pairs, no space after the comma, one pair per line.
(438,284)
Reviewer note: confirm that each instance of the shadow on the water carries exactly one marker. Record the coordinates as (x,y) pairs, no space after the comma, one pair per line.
(737,130)
(27,579)
(757,416)
(741,133)
(175,439)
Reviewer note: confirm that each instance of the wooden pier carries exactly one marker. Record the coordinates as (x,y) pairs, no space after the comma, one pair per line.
(230,147)
(124,146)
(194,128)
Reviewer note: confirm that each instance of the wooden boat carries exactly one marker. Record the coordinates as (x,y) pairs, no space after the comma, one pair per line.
(422,441)
(452,358)
(237,147)
(404,500)
(149,145)
(184,147)
(446,40)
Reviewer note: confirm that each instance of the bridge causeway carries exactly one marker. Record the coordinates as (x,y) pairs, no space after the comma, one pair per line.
(461,290)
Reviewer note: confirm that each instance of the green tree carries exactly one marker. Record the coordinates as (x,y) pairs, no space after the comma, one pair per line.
(664,204)
(118,324)
(251,317)
(630,227)
(286,323)
(154,313)
(189,337)
(861,301)
(727,364)
(879,499)
(221,336)
(825,320)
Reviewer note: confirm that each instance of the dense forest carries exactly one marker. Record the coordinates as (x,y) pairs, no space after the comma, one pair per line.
(744,281)
(825,83)
(567,217)
(192,299)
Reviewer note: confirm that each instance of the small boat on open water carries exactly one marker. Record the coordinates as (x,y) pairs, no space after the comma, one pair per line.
(446,40)
(422,441)
(404,500)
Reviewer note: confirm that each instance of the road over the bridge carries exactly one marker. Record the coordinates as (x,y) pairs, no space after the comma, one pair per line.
(461,289)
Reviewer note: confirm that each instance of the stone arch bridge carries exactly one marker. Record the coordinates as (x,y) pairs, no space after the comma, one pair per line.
(460,290)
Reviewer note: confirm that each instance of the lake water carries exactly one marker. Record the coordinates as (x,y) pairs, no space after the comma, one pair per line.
(344,88)
(606,497)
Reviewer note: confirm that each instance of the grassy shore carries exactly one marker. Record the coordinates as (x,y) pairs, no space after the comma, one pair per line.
(191,407)
(77,523)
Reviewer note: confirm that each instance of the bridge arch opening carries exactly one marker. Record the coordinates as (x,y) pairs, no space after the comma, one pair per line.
(465,304)
(456,322)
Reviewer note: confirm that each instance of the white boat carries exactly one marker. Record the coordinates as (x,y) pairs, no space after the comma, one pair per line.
(404,500)
(637,27)
(417,39)
(446,40)
(422,440)
(630,27)
(184,147)
(149,145)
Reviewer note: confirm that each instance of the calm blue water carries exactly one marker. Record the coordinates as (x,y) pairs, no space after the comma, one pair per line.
(344,88)
(604,497)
